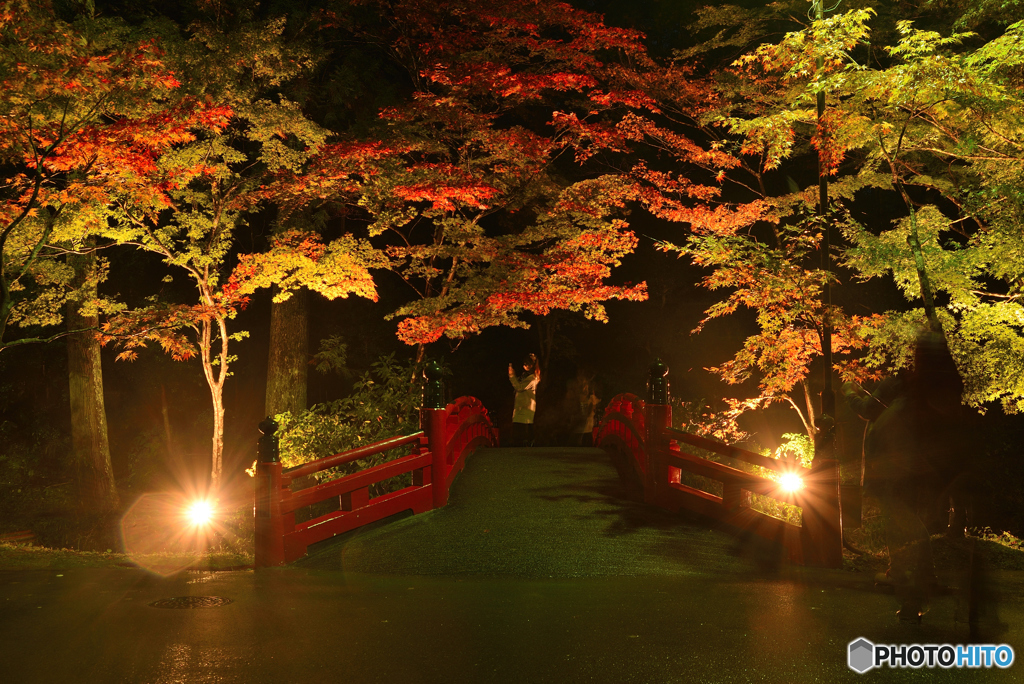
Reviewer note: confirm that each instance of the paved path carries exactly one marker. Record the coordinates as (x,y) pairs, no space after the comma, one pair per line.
(553,578)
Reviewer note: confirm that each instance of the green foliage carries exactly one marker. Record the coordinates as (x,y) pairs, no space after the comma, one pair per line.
(775,508)
(332,356)
(796,446)
(952,269)
(934,121)
(976,12)
(384,403)
(1005,538)
(892,342)
(988,343)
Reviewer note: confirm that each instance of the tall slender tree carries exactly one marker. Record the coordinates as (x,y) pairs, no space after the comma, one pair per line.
(83,112)
(205,188)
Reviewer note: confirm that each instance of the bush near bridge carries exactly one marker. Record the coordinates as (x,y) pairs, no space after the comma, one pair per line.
(384,403)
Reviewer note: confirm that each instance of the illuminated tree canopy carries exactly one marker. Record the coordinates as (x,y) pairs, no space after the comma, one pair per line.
(499,172)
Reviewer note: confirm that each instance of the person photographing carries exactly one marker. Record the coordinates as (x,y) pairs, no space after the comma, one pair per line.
(526,400)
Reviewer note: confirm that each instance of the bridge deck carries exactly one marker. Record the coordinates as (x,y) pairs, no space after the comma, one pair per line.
(542,512)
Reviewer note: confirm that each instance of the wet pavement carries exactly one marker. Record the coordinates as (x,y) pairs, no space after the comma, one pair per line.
(580,585)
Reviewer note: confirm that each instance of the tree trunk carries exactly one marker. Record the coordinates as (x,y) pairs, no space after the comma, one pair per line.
(97,489)
(288,365)
(547,328)
(215,375)
(217,467)
(165,413)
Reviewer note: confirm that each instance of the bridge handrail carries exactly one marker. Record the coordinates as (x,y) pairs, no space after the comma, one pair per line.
(344,457)
(447,435)
(725,474)
(354,481)
(726,450)
(624,420)
(466,425)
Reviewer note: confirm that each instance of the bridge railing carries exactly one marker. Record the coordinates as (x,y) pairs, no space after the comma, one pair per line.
(438,453)
(650,454)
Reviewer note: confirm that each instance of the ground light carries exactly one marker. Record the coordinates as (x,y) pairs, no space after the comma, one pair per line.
(200,512)
(790,482)
(166,532)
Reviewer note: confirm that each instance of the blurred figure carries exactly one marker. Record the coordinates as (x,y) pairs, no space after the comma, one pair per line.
(913,450)
(583,401)
(526,400)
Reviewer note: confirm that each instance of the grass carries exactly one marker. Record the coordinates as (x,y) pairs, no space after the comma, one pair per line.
(230,547)
(1001,550)
(29,557)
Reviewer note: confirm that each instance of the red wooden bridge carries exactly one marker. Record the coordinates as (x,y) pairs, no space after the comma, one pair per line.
(636,433)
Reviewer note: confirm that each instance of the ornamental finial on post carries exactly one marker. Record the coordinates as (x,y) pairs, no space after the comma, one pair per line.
(657,383)
(433,390)
(267,449)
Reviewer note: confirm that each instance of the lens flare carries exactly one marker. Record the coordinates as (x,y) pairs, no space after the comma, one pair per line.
(790,482)
(200,513)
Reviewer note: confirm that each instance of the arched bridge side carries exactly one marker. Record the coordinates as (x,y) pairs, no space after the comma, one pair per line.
(438,453)
(621,434)
(649,455)
(467,427)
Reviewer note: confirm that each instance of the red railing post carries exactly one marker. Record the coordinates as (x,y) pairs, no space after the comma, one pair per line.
(433,422)
(823,524)
(657,417)
(269,520)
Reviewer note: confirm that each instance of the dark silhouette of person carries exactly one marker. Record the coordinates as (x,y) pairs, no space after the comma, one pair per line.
(913,449)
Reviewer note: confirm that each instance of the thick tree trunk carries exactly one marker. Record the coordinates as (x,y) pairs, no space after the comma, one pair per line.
(90,447)
(288,364)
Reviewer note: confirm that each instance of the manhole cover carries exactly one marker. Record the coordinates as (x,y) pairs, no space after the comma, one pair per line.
(191,602)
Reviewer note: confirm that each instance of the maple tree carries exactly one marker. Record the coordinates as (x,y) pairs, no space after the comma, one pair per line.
(83,114)
(208,185)
(483,218)
(938,128)
(758,243)
(462,185)
(935,126)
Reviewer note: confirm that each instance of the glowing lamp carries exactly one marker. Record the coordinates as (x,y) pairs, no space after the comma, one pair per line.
(200,513)
(790,482)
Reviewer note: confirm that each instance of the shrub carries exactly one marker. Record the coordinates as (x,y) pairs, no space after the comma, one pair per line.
(384,403)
